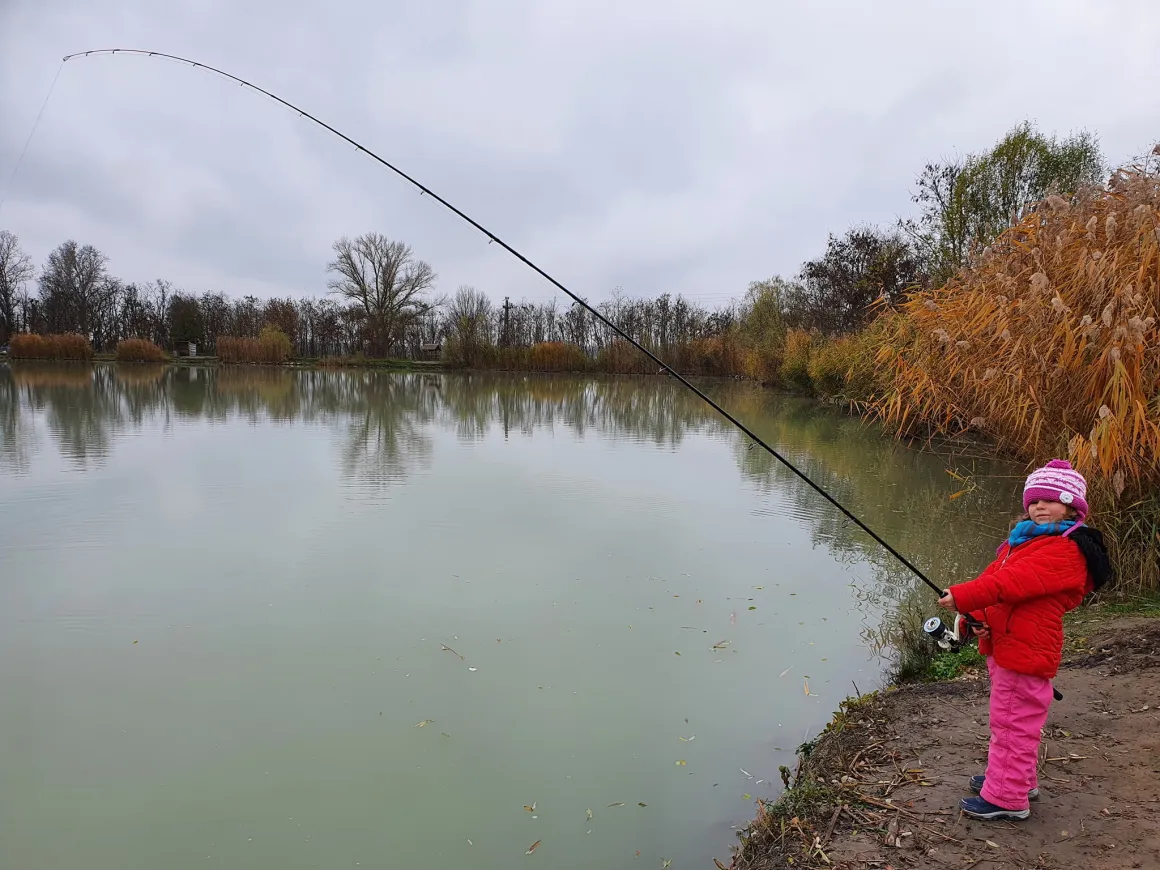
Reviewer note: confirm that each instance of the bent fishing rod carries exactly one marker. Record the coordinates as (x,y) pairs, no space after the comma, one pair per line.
(493,238)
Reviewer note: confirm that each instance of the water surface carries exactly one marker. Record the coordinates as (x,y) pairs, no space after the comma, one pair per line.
(225,597)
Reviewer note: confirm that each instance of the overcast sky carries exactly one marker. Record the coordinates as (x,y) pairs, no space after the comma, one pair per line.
(659,145)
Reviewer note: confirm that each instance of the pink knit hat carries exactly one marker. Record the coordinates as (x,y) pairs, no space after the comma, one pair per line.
(1057,481)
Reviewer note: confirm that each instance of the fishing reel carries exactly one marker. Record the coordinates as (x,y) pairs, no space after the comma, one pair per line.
(952,637)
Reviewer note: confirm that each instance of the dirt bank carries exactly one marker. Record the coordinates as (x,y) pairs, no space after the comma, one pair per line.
(880,788)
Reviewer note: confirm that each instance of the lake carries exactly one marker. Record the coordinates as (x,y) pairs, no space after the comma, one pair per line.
(271,618)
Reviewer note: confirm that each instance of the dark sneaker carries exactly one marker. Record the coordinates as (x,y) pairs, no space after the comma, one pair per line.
(977,788)
(977,808)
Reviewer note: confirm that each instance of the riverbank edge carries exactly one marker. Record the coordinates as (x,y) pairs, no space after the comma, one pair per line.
(824,798)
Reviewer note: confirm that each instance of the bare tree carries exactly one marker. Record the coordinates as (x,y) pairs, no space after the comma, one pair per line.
(15,270)
(468,325)
(76,290)
(384,279)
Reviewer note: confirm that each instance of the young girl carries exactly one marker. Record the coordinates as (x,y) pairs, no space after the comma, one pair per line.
(1050,561)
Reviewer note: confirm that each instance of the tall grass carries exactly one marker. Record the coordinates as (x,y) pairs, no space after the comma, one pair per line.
(1048,345)
(139,350)
(67,346)
(271,346)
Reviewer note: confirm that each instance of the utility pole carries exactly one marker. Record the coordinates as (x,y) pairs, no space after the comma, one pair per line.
(506,340)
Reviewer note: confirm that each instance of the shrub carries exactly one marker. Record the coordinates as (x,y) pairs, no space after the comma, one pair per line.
(67,346)
(139,350)
(274,345)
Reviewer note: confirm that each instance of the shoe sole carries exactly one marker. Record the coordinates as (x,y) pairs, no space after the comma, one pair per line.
(998,815)
(1032,795)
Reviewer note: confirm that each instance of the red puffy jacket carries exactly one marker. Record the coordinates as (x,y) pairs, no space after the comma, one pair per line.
(1022,597)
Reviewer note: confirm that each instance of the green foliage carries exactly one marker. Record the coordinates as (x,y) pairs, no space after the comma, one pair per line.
(966,203)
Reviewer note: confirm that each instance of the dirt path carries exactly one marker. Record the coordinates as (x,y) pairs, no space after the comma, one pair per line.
(895,767)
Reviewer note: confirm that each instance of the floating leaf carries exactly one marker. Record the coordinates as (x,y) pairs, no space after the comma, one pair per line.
(747,796)
(681,763)
(533,847)
(665,862)
(532,808)
(617,804)
(134,641)
(752,606)
(588,815)
(424,722)
(676,654)
(786,671)
(721,644)
(687,739)
(720,866)
(641,804)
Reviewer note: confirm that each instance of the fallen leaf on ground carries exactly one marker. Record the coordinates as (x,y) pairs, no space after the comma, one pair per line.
(533,847)
(992,844)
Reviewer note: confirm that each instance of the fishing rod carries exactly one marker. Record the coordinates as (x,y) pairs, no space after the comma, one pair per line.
(492,237)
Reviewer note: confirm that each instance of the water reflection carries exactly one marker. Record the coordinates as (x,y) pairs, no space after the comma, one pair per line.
(386,423)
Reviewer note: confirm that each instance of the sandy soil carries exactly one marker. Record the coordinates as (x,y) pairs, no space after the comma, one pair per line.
(897,765)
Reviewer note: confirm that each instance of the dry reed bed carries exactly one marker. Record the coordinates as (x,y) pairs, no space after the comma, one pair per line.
(271,346)
(139,350)
(66,346)
(1048,345)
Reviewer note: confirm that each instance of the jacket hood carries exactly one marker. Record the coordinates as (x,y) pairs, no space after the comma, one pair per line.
(1095,553)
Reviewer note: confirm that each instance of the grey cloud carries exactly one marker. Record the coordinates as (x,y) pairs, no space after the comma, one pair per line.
(680,146)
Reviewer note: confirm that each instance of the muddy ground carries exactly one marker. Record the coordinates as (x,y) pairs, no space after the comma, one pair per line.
(880,788)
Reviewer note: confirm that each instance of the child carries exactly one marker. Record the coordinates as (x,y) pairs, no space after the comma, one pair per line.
(1050,561)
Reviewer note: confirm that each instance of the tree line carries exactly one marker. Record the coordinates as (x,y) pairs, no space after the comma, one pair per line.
(382,298)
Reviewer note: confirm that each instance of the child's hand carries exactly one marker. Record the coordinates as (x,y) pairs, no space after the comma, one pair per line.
(981,631)
(947,601)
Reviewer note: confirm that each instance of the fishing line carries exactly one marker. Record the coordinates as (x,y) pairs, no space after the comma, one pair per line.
(492,237)
(31,133)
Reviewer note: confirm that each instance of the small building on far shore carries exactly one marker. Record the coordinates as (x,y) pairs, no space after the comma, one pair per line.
(185,348)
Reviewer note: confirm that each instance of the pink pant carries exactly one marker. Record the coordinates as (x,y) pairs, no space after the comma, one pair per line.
(1019,705)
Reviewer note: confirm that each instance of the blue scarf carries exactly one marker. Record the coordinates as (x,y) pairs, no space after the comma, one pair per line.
(1027,529)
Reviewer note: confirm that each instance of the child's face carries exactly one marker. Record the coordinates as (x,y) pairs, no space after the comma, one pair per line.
(1043,511)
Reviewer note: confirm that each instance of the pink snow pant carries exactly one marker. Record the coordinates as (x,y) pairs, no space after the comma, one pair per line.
(1019,705)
